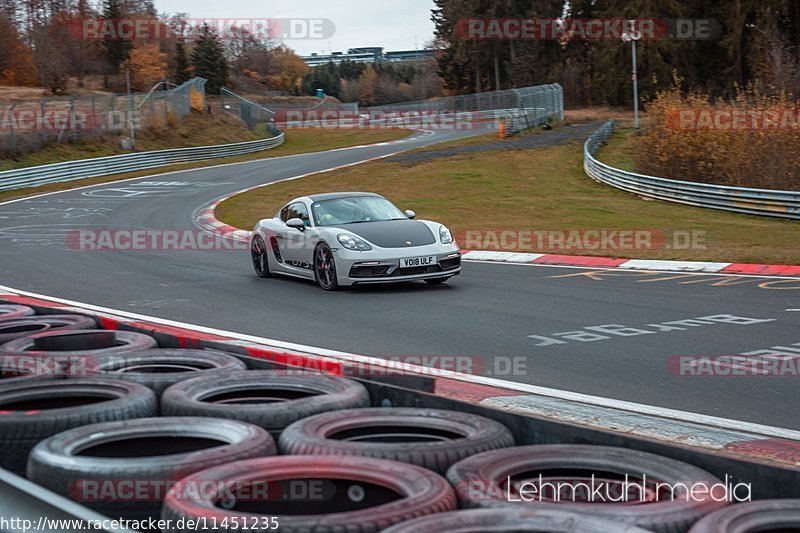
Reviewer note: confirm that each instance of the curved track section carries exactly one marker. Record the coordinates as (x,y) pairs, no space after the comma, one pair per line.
(555,327)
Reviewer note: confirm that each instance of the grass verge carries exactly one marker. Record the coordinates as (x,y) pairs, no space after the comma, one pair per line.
(298,141)
(537,189)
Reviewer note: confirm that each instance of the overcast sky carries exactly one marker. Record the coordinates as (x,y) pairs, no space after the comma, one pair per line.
(391,24)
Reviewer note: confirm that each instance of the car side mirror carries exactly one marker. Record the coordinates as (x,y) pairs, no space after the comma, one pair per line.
(410,214)
(296,223)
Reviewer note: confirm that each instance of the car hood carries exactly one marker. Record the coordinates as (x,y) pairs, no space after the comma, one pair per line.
(392,233)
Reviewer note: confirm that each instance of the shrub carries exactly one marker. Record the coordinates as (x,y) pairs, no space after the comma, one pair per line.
(751,141)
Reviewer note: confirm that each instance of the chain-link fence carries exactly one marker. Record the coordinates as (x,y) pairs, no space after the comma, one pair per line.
(276,114)
(29,126)
(250,112)
(549,98)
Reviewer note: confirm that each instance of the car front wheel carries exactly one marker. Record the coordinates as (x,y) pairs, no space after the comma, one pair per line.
(258,252)
(325,268)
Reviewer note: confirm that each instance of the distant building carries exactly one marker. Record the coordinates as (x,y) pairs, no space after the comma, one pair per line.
(370,54)
(407,55)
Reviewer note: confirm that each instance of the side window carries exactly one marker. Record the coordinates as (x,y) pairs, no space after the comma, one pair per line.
(299,210)
(285,214)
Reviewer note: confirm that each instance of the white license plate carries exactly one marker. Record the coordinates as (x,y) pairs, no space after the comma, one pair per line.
(418,261)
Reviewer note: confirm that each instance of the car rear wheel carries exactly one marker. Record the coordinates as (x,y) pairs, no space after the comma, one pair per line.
(325,268)
(258,251)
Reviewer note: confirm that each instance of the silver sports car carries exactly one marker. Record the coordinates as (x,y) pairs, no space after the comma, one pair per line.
(347,238)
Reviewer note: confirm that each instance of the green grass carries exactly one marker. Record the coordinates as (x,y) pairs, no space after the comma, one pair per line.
(621,151)
(297,142)
(536,189)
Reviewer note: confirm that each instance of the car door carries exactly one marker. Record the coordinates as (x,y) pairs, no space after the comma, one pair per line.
(297,246)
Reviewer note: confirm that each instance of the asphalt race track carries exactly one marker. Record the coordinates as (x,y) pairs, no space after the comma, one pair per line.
(492,312)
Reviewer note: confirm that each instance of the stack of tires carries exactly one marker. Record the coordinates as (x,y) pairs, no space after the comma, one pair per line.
(134,431)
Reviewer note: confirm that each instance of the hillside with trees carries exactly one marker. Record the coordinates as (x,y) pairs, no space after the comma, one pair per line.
(44,43)
(758,42)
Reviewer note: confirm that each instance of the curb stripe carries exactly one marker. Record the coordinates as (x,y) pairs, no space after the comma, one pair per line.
(631,264)
(764,270)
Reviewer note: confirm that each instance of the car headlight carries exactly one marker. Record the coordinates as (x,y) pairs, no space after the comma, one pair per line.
(444,235)
(351,242)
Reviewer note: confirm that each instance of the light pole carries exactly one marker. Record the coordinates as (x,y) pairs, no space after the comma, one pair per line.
(631,37)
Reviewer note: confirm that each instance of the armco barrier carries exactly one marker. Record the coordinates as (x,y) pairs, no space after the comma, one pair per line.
(105,166)
(765,202)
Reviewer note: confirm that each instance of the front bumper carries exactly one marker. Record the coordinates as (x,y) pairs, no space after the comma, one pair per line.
(383,265)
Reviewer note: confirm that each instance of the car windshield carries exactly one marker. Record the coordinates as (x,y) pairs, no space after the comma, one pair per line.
(354,210)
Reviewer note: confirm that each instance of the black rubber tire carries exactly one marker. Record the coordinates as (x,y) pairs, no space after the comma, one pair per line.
(161,368)
(759,515)
(60,464)
(436,281)
(25,420)
(260,263)
(478,479)
(512,521)
(80,343)
(312,435)
(421,492)
(15,311)
(321,253)
(324,393)
(14,328)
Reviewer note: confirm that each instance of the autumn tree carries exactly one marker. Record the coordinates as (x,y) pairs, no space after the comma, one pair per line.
(51,56)
(16,60)
(286,71)
(147,65)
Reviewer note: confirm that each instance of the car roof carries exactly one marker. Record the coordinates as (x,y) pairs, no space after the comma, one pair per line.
(335,195)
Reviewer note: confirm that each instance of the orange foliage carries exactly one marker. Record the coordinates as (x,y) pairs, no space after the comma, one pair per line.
(196,100)
(16,59)
(287,70)
(751,141)
(147,65)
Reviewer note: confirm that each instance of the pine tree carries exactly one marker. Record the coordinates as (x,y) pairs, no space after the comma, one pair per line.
(182,73)
(118,49)
(208,60)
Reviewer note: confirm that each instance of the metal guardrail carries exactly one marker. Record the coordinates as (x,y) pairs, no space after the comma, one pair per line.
(105,166)
(765,202)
